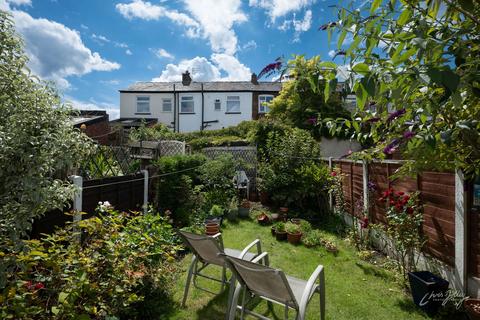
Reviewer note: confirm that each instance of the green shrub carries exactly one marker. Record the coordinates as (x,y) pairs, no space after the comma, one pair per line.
(312,238)
(177,192)
(291,227)
(122,263)
(280,226)
(305,226)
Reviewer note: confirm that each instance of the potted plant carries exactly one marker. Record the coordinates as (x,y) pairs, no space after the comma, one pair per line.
(472,306)
(283,213)
(296,220)
(311,239)
(280,232)
(294,233)
(428,290)
(330,247)
(263,219)
(244,209)
(212,228)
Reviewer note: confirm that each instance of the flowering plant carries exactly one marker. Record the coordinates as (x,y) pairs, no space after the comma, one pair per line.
(404,222)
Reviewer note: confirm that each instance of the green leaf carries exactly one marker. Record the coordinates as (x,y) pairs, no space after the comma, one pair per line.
(55,310)
(361,68)
(62,296)
(356,41)
(404,17)
(341,38)
(375,5)
(369,85)
(327,64)
(450,80)
(361,95)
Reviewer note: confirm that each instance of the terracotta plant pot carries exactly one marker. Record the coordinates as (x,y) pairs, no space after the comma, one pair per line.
(294,238)
(275,216)
(212,229)
(263,219)
(284,210)
(281,235)
(273,230)
(472,306)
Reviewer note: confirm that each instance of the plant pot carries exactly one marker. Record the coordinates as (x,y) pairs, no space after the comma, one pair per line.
(243,212)
(294,238)
(275,216)
(331,249)
(273,231)
(428,290)
(296,220)
(472,307)
(263,219)
(212,229)
(281,235)
(284,210)
(213,219)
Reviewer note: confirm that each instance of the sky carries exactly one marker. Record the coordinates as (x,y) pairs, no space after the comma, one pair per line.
(93,48)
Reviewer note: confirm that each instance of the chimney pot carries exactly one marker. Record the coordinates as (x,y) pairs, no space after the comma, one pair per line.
(254,79)
(186,79)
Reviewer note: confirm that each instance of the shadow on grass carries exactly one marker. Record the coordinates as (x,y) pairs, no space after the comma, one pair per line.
(375,271)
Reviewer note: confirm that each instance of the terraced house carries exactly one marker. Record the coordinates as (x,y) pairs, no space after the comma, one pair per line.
(189,106)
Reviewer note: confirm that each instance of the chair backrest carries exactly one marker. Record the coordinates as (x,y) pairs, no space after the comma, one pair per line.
(206,248)
(262,280)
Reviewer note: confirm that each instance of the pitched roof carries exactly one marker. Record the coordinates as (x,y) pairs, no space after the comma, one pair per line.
(207,86)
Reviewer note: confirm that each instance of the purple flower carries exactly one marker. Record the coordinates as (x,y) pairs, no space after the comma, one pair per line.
(327,26)
(408,134)
(391,147)
(396,114)
(312,120)
(372,186)
(339,53)
(270,68)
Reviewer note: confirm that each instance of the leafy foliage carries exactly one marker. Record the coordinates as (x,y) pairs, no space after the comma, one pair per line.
(308,98)
(122,268)
(415,72)
(38,143)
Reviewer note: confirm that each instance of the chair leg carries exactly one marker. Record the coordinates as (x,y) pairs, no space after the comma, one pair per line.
(231,291)
(322,296)
(286,312)
(189,279)
(234,302)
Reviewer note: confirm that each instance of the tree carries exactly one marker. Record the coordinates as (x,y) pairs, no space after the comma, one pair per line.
(306,100)
(37,141)
(416,74)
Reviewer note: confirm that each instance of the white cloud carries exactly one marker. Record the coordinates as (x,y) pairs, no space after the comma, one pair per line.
(162,53)
(112,110)
(217,25)
(100,39)
(331,53)
(19,2)
(279,8)
(128,52)
(250,45)
(56,51)
(203,69)
(298,26)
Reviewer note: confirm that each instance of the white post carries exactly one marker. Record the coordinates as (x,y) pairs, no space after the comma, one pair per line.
(145,191)
(77,201)
(330,196)
(366,201)
(460,233)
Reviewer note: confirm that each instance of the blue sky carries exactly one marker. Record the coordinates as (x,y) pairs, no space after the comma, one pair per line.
(93,48)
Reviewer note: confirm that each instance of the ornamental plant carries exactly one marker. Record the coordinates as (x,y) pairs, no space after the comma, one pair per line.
(404,221)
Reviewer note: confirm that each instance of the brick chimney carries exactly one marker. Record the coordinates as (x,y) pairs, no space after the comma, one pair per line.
(254,79)
(186,79)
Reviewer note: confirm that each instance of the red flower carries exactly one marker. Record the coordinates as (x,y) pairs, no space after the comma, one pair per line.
(364,223)
(392,203)
(333,173)
(399,207)
(385,194)
(400,193)
(39,286)
(406,198)
(410,210)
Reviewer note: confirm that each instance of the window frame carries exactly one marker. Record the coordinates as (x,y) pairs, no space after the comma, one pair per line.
(147,101)
(227,111)
(192,100)
(219,101)
(171,105)
(260,105)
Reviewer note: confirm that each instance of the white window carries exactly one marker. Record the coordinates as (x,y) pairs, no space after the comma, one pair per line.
(263,102)
(233,104)
(167,105)
(217,105)
(143,104)
(186,105)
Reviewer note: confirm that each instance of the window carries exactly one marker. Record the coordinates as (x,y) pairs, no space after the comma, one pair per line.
(217,105)
(167,105)
(263,102)
(233,104)
(186,105)
(143,104)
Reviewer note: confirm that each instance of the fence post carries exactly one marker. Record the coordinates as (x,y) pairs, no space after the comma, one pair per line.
(460,232)
(366,200)
(77,201)
(330,196)
(145,191)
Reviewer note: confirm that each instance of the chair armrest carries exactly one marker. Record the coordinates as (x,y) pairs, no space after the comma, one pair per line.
(247,248)
(263,256)
(218,237)
(307,293)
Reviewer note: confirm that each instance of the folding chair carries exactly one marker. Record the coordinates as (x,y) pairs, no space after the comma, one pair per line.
(209,250)
(274,286)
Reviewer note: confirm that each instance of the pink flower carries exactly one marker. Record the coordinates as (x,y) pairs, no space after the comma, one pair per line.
(333,173)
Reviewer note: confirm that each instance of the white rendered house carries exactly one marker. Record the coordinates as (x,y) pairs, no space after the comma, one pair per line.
(190,106)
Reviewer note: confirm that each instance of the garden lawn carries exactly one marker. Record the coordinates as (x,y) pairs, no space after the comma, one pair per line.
(354,289)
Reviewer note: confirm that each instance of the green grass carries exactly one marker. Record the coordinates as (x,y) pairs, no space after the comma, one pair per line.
(354,289)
